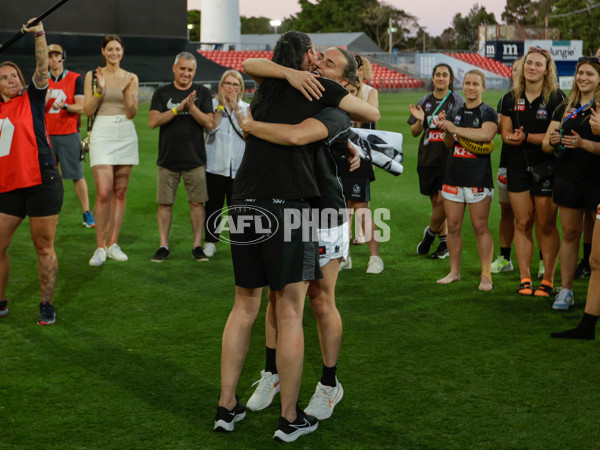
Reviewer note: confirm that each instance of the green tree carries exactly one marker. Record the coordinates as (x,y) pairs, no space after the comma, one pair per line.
(578,25)
(527,12)
(256,25)
(194,17)
(467,27)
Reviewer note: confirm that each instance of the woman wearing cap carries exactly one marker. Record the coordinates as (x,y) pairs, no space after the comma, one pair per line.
(30,184)
(468,177)
(111,94)
(526,113)
(224,151)
(576,181)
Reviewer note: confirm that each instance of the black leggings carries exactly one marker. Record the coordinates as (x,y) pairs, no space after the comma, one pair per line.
(219,189)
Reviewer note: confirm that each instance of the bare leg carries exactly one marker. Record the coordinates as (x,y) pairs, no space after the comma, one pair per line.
(290,344)
(121,182)
(236,339)
(164,217)
(507,225)
(437,222)
(454,216)
(479,213)
(43,230)
(197,216)
(547,233)
(8,226)
(571,221)
(103,178)
(522,203)
(81,190)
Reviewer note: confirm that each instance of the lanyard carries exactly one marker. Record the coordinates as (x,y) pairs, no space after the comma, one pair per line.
(581,108)
(438,108)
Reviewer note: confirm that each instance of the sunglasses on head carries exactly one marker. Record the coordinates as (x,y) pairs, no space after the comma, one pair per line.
(539,50)
(359,61)
(585,59)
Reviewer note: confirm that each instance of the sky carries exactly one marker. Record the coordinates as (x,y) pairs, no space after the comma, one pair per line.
(434,23)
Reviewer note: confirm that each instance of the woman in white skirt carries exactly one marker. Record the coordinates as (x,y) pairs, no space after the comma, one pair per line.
(111,94)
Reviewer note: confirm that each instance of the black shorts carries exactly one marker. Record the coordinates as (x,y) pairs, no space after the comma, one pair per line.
(521,181)
(576,195)
(357,189)
(266,250)
(37,201)
(431,179)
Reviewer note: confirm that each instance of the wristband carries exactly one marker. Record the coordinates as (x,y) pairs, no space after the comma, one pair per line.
(97,94)
(175,111)
(39,33)
(65,107)
(220,108)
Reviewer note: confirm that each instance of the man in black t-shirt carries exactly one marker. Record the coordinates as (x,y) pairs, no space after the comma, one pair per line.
(183,111)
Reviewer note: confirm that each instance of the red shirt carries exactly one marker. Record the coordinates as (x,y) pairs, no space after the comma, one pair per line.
(64,89)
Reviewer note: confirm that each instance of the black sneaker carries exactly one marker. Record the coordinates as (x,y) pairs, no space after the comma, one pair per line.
(4,307)
(441,252)
(583,270)
(47,314)
(226,419)
(290,431)
(161,254)
(198,254)
(425,244)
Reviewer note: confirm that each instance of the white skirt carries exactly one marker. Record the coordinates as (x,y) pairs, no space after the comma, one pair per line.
(113,141)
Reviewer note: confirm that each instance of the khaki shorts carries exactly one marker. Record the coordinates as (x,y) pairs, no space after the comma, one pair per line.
(194,181)
(461,194)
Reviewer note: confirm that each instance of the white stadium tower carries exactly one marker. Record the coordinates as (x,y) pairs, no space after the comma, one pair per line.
(220,22)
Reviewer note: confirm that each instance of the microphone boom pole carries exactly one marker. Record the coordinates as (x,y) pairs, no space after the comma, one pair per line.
(19,34)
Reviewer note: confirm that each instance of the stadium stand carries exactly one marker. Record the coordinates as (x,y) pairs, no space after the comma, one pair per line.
(383,78)
(491,65)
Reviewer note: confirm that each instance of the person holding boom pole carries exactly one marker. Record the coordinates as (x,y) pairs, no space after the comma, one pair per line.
(30,184)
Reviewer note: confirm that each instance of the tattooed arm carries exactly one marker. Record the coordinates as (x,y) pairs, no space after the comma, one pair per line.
(40,76)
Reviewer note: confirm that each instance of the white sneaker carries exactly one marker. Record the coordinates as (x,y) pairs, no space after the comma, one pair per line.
(375,265)
(115,252)
(541,269)
(210,249)
(346,264)
(98,257)
(268,386)
(324,400)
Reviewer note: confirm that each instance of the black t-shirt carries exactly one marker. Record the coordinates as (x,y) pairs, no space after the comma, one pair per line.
(326,168)
(274,171)
(578,165)
(37,103)
(465,168)
(435,153)
(181,141)
(534,117)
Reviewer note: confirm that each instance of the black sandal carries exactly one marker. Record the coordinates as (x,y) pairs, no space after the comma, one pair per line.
(525,288)
(545,290)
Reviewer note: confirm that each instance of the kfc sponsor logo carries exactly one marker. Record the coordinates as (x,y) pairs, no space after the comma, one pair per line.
(436,136)
(461,152)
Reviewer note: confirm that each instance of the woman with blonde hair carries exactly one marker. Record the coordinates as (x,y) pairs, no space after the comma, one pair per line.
(111,96)
(224,151)
(576,181)
(526,113)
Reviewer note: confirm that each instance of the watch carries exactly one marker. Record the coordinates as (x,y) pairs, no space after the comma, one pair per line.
(65,106)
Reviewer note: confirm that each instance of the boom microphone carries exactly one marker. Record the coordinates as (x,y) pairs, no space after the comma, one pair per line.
(19,34)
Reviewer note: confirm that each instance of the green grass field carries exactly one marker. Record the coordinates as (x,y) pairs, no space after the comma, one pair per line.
(133,361)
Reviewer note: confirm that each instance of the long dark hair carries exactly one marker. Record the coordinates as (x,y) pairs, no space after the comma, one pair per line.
(451,78)
(289,52)
(108,38)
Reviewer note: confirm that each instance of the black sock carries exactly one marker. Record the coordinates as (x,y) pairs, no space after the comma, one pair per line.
(541,256)
(442,239)
(328,377)
(505,252)
(585,330)
(587,250)
(430,233)
(270,365)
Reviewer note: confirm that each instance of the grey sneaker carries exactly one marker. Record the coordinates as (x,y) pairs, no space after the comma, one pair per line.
(115,252)
(563,300)
(47,314)
(268,387)
(98,257)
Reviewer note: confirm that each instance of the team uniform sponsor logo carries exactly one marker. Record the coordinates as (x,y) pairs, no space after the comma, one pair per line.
(435,136)
(541,114)
(520,106)
(461,152)
(450,189)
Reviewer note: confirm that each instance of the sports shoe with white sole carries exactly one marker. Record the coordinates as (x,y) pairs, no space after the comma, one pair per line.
(563,300)
(47,314)
(324,400)
(441,252)
(209,250)
(98,257)
(268,387)
(225,419)
(3,307)
(502,265)
(290,431)
(115,252)
(347,264)
(375,265)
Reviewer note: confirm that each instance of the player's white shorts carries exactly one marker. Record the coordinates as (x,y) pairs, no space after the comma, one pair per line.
(333,243)
(503,186)
(598,212)
(461,194)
